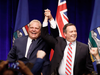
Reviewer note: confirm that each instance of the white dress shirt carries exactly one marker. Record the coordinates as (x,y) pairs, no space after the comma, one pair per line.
(52,24)
(61,69)
(29,41)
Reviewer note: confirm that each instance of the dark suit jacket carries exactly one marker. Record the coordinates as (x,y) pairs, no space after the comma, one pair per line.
(98,69)
(82,63)
(19,48)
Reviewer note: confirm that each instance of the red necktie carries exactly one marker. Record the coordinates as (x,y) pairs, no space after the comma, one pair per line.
(69,60)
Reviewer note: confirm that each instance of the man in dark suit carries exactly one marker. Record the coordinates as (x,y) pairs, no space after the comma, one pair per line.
(81,63)
(21,49)
(95,53)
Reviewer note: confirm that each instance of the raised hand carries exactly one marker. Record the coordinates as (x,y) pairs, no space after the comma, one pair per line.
(94,52)
(47,13)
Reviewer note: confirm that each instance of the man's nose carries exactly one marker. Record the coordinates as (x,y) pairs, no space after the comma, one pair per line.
(34,29)
(74,32)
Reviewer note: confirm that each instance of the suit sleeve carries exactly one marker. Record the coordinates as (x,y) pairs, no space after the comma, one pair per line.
(54,32)
(12,54)
(47,37)
(37,66)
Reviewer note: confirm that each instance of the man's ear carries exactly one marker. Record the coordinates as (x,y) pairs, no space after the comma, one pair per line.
(65,34)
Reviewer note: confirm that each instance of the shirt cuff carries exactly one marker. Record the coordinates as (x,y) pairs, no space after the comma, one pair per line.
(53,24)
(98,61)
(45,24)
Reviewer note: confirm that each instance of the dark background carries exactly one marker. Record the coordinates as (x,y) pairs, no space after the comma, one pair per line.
(79,13)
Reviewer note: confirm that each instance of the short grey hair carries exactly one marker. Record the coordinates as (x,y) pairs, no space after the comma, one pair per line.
(35,21)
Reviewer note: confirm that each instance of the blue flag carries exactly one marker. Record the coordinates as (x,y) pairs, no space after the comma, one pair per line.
(22,19)
(94,35)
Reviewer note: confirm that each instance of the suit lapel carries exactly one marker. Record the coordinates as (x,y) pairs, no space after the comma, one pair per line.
(78,49)
(38,42)
(61,51)
(64,44)
(24,44)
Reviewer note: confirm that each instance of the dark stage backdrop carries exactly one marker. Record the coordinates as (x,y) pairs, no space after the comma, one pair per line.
(79,13)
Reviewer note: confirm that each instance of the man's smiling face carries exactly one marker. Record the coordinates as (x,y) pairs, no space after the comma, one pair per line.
(71,33)
(34,30)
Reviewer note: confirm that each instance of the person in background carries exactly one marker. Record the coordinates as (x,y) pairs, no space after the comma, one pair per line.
(94,52)
(39,62)
(4,70)
(71,57)
(26,47)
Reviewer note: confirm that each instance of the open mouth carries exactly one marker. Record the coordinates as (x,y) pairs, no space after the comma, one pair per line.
(33,33)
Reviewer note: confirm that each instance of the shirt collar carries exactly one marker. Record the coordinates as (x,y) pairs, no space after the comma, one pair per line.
(34,39)
(30,39)
(71,42)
